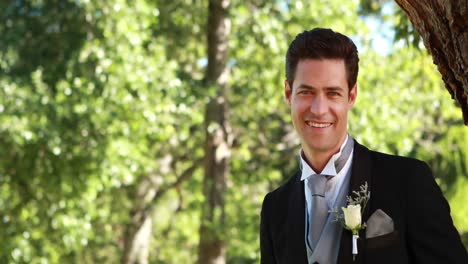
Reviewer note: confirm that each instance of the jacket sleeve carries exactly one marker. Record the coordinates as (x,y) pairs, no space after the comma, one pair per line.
(432,237)
(266,245)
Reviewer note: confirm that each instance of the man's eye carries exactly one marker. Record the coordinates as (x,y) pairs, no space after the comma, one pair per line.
(333,93)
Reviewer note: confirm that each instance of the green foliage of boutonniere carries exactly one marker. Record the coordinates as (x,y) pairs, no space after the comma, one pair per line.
(351,216)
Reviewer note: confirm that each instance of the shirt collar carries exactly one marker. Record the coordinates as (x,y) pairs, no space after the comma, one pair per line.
(329,168)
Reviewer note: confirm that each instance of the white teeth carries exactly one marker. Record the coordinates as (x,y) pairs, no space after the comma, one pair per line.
(320,125)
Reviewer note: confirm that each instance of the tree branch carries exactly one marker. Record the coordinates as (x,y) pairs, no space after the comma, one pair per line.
(443,28)
(187,174)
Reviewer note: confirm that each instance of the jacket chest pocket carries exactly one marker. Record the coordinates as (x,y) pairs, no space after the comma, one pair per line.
(385,249)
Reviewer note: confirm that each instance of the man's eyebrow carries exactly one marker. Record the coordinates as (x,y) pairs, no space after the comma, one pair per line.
(305,86)
(334,88)
(310,87)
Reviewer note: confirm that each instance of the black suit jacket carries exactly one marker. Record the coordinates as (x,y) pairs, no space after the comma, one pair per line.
(402,187)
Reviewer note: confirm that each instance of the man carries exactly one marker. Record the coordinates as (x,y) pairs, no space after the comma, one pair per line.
(408,220)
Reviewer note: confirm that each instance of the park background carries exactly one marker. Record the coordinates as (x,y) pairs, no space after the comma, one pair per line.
(122,142)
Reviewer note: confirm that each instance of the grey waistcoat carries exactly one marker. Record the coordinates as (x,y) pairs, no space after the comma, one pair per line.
(326,251)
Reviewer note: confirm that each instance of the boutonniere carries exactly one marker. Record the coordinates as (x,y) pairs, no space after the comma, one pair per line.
(351,216)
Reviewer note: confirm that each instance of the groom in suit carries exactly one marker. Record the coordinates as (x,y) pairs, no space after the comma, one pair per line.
(408,219)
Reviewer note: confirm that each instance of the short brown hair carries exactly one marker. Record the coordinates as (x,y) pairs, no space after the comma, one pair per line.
(322,43)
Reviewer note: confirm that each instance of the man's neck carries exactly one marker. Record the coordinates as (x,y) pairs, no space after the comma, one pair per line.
(317,160)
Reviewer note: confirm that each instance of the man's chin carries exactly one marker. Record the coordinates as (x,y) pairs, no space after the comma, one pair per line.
(321,146)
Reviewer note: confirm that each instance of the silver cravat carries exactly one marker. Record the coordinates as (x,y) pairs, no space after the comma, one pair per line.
(317,185)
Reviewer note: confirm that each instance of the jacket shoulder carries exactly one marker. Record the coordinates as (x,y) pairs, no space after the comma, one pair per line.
(385,160)
(285,188)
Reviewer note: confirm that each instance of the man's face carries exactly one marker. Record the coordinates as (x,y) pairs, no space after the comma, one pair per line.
(319,102)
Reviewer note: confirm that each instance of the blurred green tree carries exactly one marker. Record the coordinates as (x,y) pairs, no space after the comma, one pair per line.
(102,124)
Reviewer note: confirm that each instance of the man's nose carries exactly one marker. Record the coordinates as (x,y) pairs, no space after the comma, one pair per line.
(318,105)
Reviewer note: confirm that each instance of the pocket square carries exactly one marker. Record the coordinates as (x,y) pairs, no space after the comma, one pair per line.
(378,224)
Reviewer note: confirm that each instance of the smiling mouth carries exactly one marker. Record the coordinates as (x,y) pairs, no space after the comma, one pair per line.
(318,125)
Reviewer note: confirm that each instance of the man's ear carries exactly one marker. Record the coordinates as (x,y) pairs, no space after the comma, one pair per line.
(352,95)
(287,92)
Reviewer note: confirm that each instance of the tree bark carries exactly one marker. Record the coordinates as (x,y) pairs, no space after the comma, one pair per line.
(443,27)
(212,244)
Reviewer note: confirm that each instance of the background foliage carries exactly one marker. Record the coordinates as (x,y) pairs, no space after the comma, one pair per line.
(96,96)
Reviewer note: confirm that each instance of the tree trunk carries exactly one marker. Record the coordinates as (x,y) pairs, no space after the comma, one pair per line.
(442,25)
(137,241)
(212,244)
(138,231)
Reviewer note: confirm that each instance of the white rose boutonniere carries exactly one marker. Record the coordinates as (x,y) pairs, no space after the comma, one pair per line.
(351,218)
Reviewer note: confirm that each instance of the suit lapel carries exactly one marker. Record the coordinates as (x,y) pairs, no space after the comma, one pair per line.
(360,174)
(296,220)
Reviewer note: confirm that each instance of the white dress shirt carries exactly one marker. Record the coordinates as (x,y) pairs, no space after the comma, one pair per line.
(333,184)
